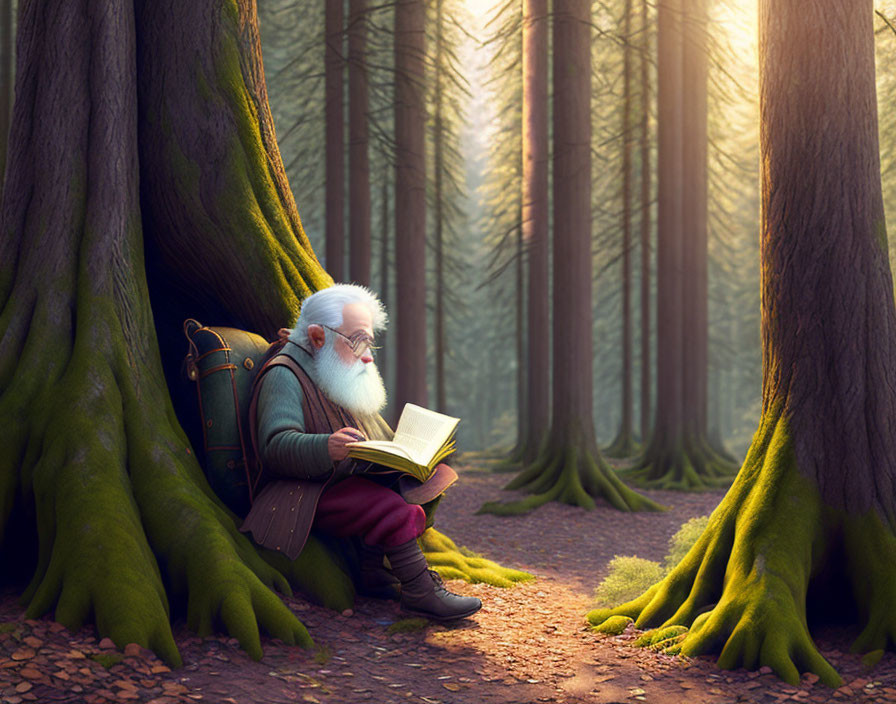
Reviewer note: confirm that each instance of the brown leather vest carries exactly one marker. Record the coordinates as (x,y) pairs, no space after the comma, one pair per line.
(283,509)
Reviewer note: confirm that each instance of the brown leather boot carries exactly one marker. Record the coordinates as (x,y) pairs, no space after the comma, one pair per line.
(375,580)
(422,591)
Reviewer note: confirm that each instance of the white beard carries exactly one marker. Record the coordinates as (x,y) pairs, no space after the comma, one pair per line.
(357,387)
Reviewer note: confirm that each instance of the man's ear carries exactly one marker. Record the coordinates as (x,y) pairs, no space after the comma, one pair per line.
(316,335)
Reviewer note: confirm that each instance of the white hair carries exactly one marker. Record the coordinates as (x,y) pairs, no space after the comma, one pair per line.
(324,307)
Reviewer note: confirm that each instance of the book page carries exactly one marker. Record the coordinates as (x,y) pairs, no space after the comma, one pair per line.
(422,432)
(386,446)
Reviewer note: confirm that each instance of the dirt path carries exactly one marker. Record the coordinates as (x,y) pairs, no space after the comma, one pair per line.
(528,644)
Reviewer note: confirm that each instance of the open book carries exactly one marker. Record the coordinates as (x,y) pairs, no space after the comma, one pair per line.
(422,439)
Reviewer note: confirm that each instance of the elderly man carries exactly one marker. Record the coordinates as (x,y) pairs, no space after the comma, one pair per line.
(318,395)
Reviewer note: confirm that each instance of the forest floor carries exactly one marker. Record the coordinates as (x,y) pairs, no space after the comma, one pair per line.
(528,644)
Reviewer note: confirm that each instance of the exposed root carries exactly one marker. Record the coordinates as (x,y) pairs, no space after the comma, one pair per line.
(452,562)
(691,465)
(623,446)
(570,475)
(741,590)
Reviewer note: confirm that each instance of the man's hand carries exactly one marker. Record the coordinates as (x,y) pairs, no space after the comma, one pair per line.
(336,443)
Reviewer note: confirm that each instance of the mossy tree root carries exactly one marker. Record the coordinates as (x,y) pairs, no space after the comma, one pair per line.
(742,588)
(623,446)
(526,452)
(122,508)
(570,474)
(689,465)
(452,562)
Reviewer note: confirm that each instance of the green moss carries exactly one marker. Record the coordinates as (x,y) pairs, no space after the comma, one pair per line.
(627,577)
(870,660)
(446,558)
(661,638)
(623,446)
(613,626)
(742,585)
(688,465)
(318,573)
(407,625)
(107,660)
(8,626)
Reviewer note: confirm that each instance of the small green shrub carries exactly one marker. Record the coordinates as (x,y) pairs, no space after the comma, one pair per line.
(684,539)
(628,578)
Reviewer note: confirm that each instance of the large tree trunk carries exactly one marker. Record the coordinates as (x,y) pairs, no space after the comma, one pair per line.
(359,162)
(6,54)
(89,434)
(153,175)
(570,469)
(624,445)
(410,203)
(334,113)
(679,455)
(810,516)
(535,222)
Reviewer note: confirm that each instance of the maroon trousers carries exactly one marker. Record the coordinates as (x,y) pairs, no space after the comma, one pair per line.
(379,516)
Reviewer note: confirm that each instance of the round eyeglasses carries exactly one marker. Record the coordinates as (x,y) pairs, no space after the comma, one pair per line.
(359,342)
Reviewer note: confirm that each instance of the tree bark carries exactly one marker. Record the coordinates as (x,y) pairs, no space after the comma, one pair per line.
(439,195)
(679,455)
(624,444)
(667,428)
(535,222)
(806,531)
(92,436)
(334,67)
(410,203)
(383,356)
(6,55)
(359,162)
(644,149)
(151,187)
(571,469)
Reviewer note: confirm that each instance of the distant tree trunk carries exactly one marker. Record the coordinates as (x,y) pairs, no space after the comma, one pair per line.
(571,469)
(644,149)
(334,66)
(624,444)
(359,162)
(535,222)
(6,54)
(695,244)
(667,428)
(383,357)
(410,202)
(679,455)
(520,333)
(439,195)
(806,532)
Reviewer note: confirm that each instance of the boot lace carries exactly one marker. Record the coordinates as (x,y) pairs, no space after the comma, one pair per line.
(437,579)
